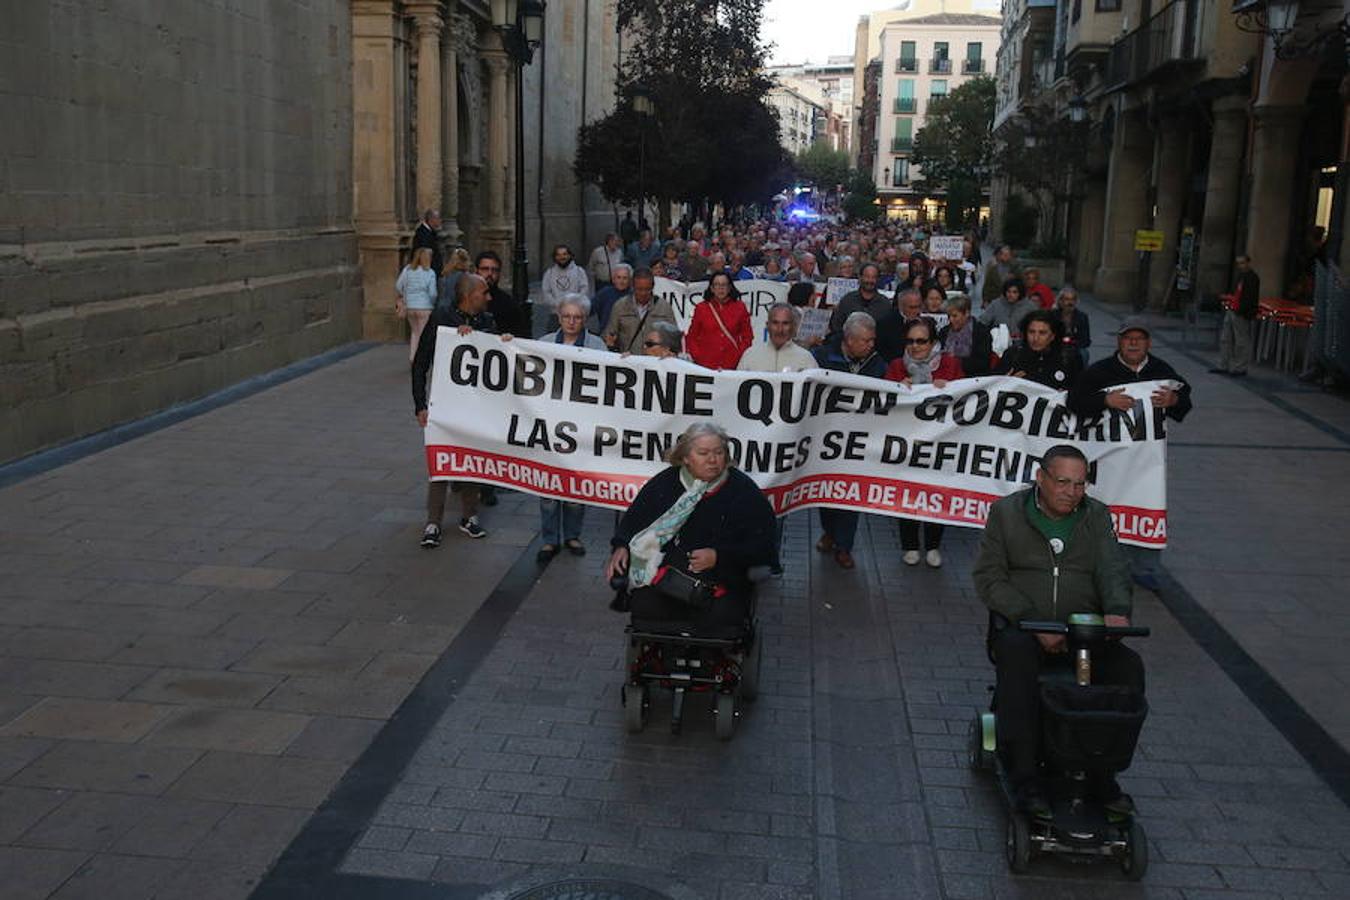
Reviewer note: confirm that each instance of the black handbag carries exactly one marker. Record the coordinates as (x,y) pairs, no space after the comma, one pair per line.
(681,586)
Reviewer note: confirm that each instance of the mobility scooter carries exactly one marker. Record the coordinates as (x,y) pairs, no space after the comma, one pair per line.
(686,656)
(1087,731)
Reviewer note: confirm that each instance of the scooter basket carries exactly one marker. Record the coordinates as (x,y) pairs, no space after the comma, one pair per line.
(1091,727)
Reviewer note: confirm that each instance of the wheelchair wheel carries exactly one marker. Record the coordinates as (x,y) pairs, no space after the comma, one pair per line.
(635,704)
(1134,862)
(725,716)
(1017,847)
(750,671)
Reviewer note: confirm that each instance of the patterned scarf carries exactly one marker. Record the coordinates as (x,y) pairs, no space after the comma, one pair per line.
(921,370)
(646,549)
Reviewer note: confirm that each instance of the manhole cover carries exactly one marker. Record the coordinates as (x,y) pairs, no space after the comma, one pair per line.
(589,890)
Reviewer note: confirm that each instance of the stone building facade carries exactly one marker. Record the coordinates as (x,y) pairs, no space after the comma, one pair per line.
(198,192)
(175,205)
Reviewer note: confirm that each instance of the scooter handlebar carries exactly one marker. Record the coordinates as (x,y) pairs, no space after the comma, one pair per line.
(1042,627)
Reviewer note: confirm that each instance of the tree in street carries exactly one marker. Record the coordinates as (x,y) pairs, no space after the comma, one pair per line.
(822,167)
(860,203)
(712,137)
(955,146)
(1040,152)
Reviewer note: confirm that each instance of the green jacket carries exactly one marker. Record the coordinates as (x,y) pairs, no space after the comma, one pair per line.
(1018,575)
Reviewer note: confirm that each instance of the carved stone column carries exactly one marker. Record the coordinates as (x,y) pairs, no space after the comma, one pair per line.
(497,231)
(1275,147)
(427,16)
(374,164)
(450,128)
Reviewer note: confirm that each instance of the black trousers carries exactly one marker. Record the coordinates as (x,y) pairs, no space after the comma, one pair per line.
(1018,657)
(909,534)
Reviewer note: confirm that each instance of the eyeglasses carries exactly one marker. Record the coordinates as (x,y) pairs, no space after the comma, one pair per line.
(920,341)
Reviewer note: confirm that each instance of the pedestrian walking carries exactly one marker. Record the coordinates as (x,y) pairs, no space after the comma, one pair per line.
(1235,336)
(416,287)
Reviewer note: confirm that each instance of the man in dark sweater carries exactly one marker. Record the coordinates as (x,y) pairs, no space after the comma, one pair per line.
(1091,395)
(468,314)
(1235,338)
(506,312)
(428,234)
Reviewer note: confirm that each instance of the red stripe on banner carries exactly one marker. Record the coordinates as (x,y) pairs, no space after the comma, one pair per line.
(599,488)
(887,496)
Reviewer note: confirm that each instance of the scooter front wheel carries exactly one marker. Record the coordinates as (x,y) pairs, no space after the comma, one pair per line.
(1134,862)
(1017,847)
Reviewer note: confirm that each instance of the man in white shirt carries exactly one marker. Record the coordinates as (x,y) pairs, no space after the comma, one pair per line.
(780,353)
(562,278)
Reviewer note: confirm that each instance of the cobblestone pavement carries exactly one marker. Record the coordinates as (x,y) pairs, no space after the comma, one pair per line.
(205,633)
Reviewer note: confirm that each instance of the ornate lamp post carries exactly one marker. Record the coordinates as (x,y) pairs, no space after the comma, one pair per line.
(521,26)
(644,107)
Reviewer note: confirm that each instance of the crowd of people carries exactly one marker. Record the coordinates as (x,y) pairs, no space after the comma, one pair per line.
(913,318)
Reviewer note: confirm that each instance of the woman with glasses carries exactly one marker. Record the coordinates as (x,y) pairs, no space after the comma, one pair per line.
(923,362)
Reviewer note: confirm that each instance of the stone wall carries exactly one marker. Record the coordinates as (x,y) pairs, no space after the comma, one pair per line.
(175,204)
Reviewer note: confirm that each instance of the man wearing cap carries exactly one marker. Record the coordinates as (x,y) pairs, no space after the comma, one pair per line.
(1092,394)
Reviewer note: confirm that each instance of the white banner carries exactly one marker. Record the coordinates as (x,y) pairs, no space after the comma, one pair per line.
(592,427)
(757,295)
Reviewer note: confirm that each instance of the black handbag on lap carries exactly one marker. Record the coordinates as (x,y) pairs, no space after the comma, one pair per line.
(682,586)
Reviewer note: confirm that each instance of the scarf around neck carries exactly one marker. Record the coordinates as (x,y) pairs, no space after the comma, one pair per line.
(921,370)
(647,548)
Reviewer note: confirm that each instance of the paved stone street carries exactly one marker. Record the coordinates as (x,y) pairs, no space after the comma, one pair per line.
(205,633)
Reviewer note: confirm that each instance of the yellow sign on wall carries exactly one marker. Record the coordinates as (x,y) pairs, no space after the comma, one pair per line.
(1148,240)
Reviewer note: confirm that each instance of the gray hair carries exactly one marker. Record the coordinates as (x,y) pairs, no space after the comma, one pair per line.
(859,321)
(796,313)
(580,301)
(623,267)
(907,292)
(1067,289)
(669,335)
(685,442)
(958,303)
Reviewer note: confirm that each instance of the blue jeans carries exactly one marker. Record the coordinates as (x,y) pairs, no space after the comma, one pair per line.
(840,524)
(556,513)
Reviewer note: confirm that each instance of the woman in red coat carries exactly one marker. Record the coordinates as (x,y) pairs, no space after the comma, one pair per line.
(923,362)
(720,331)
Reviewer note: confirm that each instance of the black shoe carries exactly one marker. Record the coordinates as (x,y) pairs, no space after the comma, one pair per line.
(1031,800)
(471,527)
(546,554)
(1116,802)
(431,536)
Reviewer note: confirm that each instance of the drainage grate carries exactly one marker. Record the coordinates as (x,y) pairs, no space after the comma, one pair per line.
(587,889)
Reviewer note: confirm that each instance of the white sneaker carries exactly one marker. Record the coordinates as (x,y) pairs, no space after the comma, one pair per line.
(934,559)
(911,557)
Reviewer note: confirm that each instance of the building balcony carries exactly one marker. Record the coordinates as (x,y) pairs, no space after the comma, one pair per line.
(903,65)
(940,66)
(1165,42)
(902,145)
(905,105)
(972,67)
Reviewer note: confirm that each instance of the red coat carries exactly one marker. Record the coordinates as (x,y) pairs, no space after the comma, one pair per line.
(708,345)
(1042,294)
(949,369)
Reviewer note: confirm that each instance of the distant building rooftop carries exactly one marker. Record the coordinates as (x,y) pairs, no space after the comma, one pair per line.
(949,19)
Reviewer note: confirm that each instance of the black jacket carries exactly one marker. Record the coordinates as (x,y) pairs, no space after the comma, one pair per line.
(451,317)
(507,313)
(981,348)
(736,521)
(891,330)
(1079,335)
(1056,366)
(426,236)
(1087,397)
(1249,283)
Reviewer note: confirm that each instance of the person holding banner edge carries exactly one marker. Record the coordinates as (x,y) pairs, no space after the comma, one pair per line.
(467,315)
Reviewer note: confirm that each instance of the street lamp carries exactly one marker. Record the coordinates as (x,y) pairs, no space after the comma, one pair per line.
(521,26)
(1078,110)
(644,107)
(1278,19)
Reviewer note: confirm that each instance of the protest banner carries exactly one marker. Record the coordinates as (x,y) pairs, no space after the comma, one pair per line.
(815,324)
(591,427)
(945,246)
(757,295)
(836,288)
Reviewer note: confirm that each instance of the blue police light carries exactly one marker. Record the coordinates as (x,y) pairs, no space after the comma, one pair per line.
(803,214)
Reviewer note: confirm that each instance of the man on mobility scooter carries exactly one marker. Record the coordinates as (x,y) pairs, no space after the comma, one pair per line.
(686,554)
(1056,582)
